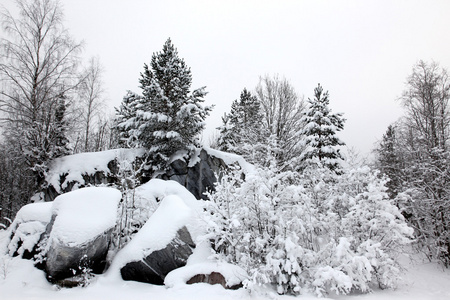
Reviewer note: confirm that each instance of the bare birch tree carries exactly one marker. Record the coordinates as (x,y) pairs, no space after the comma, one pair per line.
(91,104)
(38,63)
(282,111)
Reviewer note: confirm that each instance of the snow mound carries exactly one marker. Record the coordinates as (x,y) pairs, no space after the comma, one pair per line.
(157,189)
(83,214)
(233,275)
(41,212)
(91,163)
(147,196)
(171,215)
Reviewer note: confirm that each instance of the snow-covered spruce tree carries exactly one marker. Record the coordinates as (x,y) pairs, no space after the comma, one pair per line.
(242,131)
(318,231)
(390,161)
(320,131)
(169,117)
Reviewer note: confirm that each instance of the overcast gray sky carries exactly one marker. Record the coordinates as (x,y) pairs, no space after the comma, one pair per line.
(360,51)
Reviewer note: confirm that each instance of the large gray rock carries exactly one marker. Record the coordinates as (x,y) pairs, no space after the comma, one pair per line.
(155,266)
(197,178)
(164,242)
(63,261)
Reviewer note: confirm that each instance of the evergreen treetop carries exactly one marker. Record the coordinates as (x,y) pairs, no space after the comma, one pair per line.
(320,131)
(168,117)
(242,129)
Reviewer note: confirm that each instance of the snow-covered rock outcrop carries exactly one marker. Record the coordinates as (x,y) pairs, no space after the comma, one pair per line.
(71,172)
(197,174)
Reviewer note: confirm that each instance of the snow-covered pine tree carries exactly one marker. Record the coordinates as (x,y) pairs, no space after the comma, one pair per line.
(389,161)
(320,131)
(242,130)
(171,117)
(168,117)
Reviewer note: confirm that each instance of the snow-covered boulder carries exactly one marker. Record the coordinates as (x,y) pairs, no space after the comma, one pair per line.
(27,228)
(227,275)
(163,244)
(79,232)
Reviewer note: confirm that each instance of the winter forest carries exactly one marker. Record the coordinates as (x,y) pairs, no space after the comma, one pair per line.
(271,205)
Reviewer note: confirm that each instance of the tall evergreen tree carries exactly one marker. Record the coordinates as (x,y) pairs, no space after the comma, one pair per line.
(389,161)
(242,129)
(320,131)
(169,117)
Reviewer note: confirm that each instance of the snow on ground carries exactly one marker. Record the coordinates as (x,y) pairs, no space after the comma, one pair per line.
(83,214)
(19,280)
(92,162)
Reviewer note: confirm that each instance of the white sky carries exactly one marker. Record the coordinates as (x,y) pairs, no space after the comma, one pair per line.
(360,51)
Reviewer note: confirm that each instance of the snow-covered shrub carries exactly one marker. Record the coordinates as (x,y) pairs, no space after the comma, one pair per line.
(315,231)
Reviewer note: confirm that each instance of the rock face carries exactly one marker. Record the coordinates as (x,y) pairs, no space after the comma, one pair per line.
(64,261)
(197,178)
(94,179)
(75,171)
(155,266)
